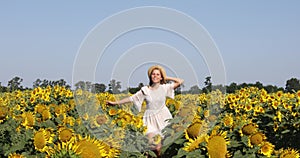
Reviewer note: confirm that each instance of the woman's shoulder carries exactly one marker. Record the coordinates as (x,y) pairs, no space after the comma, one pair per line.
(145,90)
(167,84)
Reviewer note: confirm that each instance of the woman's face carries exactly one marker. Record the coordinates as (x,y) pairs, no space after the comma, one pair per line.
(156,76)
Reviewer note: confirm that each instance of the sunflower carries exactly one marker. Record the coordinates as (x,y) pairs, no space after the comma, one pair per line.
(261,110)
(78,121)
(267,149)
(90,148)
(65,134)
(203,98)
(69,94)
(288,107)
(279,116)
(194,143)
(232,105)
(176,104)
(248,107)
(241,106)
(100,119)
(39,108)
(212,118)
(256,139)
(85,116)
(78,92)
(46,115)
(32,99)
(275,104)
(60,109)
(249,129)
(41,139)
(187,112)
(138,122)
(206,113)
(217,145)
(36,91)
(46,97)
(113,112)
(69,120)
(298,94)
(289,153)
(112,147)
(71,104)
(63,149)
(128,117)
(3,113)
(228,120)
(279,94)
(15,155)
(125,118)
(28,120)
(119,133)
(157,139)
(62,91)
(178,127)
(197,128)
(23,102)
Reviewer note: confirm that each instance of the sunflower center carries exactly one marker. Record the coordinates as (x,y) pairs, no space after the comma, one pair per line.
(65,135)
(249,129)
(39,140)
(217,147)
(101,119)
(46,114)
(3,112)
(195,129)
(112,112)
(256,139)
(88,149)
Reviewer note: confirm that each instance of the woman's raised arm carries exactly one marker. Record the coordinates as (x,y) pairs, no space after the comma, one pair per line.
(177,81)
(122,101)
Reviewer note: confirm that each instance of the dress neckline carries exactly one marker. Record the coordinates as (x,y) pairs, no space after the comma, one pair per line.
(151,89)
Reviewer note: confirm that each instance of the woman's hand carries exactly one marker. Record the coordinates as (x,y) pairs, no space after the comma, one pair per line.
(111,102)
(119,102)
(178,81)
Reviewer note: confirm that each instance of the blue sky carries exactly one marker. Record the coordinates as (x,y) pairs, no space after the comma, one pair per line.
(257,40)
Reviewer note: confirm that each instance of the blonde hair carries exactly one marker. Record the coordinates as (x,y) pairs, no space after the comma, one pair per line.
(162,73)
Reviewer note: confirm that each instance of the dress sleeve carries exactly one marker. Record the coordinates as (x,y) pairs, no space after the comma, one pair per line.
(138,99)
(170,90)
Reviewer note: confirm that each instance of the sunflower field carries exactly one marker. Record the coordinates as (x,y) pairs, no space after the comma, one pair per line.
(56,122)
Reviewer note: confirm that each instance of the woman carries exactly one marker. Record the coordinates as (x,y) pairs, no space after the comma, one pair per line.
(156,113)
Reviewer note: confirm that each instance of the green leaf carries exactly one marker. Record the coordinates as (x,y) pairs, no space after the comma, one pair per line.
(151,153)
(234,144)
(238,154)
(195,154)
(270,124)
(285,131)
(269,115)
(171,139)
(179,141)
(181,153)
(176,120)
(49,123)
(245,140)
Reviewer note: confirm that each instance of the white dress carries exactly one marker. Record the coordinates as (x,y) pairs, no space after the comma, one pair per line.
(156,113)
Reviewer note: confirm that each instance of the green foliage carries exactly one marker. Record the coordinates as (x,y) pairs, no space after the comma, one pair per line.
(279,123)
(14,141)
(292,85)
(65,154)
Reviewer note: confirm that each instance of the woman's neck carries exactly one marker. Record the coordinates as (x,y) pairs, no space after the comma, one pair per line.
(155,85)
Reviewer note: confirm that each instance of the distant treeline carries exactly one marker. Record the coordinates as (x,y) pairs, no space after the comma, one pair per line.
(292,85)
